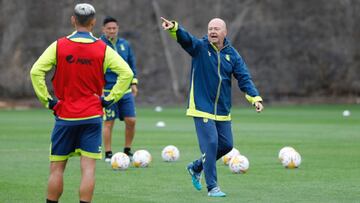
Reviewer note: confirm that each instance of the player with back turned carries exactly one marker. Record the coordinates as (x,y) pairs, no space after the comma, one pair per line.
(81,61)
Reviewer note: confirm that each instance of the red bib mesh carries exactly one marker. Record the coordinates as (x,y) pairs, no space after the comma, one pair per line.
(79,78)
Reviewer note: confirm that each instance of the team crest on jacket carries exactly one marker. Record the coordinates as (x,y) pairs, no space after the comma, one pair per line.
(209,53)
(122,47)
(227,56)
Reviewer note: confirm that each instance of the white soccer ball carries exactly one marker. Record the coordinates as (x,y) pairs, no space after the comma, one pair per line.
(239,164)
(170,153)
(158,109)
(346,113)
(227,157)
(160,124)
(120,161)
(291,159)
(283,151)
(142,158)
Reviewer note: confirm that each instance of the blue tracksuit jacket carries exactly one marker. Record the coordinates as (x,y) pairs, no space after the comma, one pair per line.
(211,74)
(123,48)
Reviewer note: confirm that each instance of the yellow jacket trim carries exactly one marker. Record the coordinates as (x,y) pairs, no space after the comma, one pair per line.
(252,100)
(201,114)
(174,29)
(191,96)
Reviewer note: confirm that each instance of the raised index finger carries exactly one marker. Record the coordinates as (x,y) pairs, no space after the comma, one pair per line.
(165,20)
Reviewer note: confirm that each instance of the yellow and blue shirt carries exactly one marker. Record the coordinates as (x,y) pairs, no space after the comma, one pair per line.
(112,60)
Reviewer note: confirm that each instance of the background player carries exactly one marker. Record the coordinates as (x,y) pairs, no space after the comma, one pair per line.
(124,109)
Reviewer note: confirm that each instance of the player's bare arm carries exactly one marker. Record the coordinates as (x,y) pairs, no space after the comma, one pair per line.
(134,90)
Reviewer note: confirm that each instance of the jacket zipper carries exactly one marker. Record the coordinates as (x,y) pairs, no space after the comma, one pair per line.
(220,78)
(219,86)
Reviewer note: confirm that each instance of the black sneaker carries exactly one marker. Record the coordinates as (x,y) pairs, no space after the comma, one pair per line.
(108,156)
(129,153)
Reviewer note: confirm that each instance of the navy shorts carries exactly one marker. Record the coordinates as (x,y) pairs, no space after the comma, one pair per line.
(76,138)
(125,107)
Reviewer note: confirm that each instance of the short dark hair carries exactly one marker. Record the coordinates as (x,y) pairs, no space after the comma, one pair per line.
(84,13)
(109,19)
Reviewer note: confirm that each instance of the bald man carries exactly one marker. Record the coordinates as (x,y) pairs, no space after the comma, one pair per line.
(214,62)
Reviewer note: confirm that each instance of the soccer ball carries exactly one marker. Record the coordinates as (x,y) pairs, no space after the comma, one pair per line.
(142,158)
(291,159)
(346,113)
(160,124)
(120,161)
(283,151)
(170,153)
(239,164)
(227,157)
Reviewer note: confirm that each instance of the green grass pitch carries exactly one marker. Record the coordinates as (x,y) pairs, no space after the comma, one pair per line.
(328,142)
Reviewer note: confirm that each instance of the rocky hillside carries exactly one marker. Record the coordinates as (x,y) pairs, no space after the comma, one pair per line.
(299,50)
